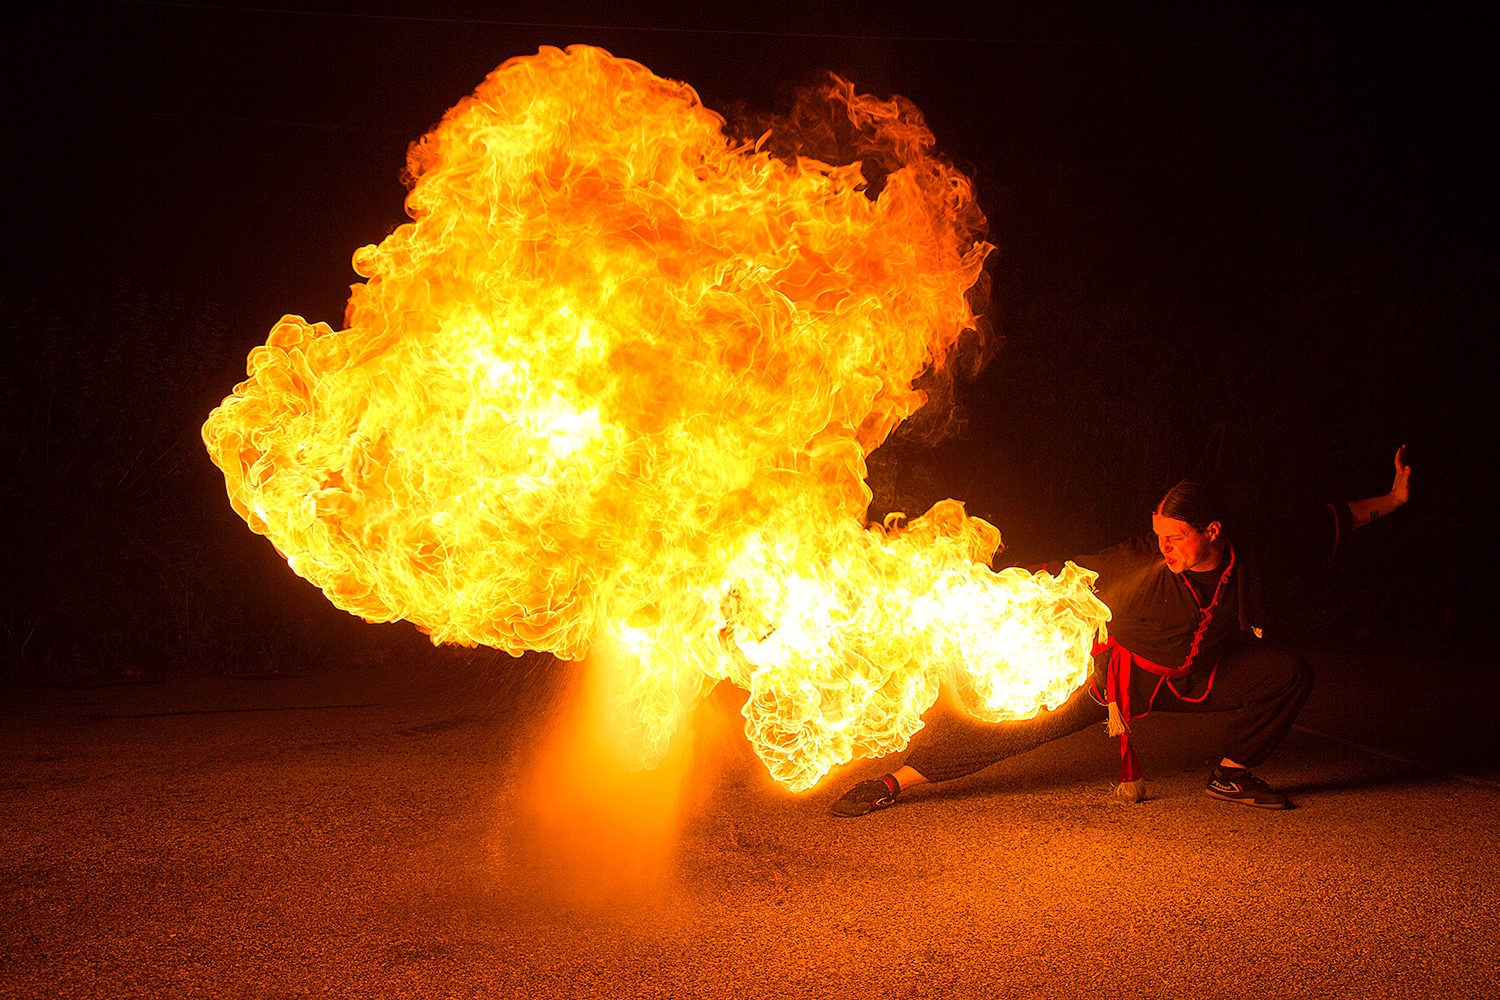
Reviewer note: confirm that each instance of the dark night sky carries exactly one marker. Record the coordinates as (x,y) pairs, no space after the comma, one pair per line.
(1263,241)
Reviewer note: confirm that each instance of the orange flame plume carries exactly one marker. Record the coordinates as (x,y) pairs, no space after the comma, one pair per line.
(610,394)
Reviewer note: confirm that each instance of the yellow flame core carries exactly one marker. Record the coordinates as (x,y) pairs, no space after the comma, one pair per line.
(611,393)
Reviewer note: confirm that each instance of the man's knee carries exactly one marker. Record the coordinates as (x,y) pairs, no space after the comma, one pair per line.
(1267,673)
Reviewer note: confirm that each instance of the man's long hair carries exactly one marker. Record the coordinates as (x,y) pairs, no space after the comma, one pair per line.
(1196,502)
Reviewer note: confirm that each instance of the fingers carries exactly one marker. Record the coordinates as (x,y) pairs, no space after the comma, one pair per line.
(1401,487)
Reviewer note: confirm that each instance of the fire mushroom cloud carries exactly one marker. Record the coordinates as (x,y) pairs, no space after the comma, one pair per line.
(609,395)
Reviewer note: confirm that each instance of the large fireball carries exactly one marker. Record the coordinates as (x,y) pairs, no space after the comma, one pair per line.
(610,395)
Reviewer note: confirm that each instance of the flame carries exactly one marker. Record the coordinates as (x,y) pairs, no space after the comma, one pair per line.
(610,395)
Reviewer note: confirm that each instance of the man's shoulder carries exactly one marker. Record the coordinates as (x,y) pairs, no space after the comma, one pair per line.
(1128,558)
(1141,548)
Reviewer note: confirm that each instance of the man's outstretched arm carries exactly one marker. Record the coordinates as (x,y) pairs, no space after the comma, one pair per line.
(1368,511)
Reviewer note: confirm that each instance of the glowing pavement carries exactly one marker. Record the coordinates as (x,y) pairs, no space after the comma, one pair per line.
(378,833)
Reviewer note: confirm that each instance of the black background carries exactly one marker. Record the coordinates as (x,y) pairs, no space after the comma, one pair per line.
(1258,245)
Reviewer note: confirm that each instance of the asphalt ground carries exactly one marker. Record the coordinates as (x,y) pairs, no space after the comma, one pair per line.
(424,832)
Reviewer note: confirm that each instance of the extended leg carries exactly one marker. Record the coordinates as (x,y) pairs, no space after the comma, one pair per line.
(952,747)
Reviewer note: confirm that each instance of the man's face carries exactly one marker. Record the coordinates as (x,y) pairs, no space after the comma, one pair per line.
(1184,546)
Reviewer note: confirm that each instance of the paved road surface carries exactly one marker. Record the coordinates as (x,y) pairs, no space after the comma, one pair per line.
(399,833)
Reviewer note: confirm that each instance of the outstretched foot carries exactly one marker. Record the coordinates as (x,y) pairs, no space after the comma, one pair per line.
(867,796)
(1236,784)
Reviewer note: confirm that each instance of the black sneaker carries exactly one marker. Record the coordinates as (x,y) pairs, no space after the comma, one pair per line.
(1243,787)
(867,796)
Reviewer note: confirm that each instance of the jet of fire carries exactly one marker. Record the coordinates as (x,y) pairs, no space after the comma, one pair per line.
(610,394)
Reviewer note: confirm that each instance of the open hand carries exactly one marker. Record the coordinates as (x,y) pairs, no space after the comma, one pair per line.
(1401,488)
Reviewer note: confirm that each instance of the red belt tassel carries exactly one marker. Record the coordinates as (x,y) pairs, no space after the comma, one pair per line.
(1117,693)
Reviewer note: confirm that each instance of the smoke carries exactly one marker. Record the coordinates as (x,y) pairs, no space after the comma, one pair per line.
(605,830)
(827,120)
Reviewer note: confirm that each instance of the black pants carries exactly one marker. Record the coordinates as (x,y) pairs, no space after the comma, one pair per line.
(1264,686)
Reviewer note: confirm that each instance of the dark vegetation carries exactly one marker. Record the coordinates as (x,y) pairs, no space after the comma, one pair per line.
(1264,252)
